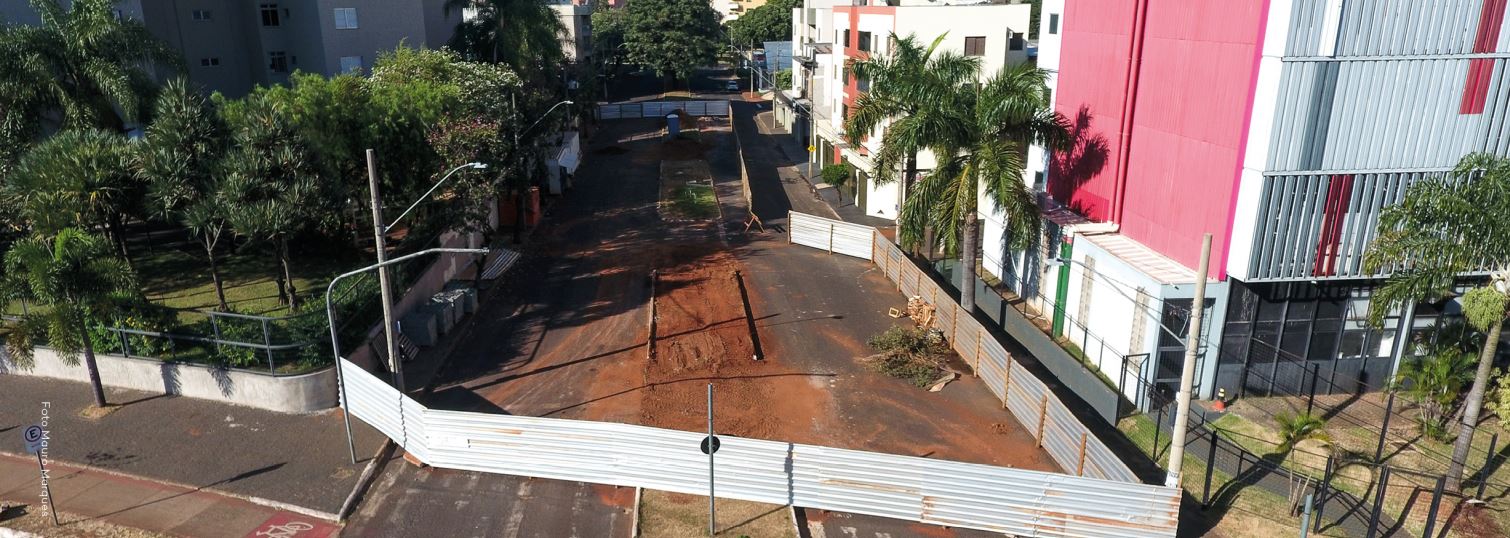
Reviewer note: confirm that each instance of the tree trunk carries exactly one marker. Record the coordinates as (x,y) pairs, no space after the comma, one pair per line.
(117,232)
(967,259)
(92,367)
(909,176)
(288,275)
(209,250)
(1471,407)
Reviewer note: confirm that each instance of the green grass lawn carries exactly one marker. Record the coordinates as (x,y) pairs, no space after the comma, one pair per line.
(695,201)
(1421,454)
(1236,509)
(180,278)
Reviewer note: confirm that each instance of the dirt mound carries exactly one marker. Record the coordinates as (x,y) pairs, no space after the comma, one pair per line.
(683,149)
(703,337)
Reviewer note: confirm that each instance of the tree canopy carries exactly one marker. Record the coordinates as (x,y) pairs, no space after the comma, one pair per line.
(769,22)
(672,36)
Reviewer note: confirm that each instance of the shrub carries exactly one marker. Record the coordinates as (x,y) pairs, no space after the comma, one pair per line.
(837,174)
(909,353)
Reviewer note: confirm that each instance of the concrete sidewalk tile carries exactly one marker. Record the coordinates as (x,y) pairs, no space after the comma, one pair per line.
(70,485)
(165,510)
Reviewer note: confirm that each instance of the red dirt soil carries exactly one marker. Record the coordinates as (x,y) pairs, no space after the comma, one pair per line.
(702,337)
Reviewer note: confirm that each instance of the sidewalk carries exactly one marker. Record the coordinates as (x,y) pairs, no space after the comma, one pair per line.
(147,505)
(300,460)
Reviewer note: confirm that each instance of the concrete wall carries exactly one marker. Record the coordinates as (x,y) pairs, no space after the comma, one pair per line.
(287,394)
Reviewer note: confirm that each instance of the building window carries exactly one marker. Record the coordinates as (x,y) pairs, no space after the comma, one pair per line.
(975,46)
(277,61)
(351,64)
(203,15)
(1015,42)
(346,18)
(862,84)
(209,62)
(1053,24)
(846,38)
(270,15)
(865,42)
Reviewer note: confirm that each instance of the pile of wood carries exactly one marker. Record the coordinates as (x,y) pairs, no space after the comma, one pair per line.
(920,311)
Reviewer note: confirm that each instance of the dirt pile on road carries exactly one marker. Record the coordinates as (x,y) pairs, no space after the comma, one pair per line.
(703,337)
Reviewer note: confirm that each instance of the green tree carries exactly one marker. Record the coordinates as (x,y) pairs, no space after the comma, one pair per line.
(525,35)
(77,284)
(983,151)
(77,178)
(1435,384)
(1444,227)
(673,37)
(274,190)
(180,160)
(608,28)
(82,65)
(912,89)
(1297,427)
(769,22)
(784,79)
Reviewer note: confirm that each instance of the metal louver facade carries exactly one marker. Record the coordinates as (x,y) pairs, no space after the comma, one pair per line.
(1372,97)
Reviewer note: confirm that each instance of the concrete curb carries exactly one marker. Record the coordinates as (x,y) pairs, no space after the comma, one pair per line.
(634,518)
(280,505)
(369,474)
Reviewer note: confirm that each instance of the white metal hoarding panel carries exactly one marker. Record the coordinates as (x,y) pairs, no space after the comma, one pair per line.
(832,235)
(1012,501)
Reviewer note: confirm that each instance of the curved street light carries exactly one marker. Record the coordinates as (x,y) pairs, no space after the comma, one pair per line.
(478,166)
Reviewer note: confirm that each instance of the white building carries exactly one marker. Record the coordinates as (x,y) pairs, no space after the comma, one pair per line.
(827,35)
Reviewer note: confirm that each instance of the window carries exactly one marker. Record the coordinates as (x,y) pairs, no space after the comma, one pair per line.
(203,15)
(351,64)
(270,15)
(346,18)
(975,46)
(865,41)
(209,62)
(1015,42)
(846,38)
(1053,24)
(862,84)
(277,61)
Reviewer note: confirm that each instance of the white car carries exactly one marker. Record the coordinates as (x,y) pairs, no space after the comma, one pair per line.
(732,86)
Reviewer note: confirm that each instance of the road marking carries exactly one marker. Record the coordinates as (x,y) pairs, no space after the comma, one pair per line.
(290,525)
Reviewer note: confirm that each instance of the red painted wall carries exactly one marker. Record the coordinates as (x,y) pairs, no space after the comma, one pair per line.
(1189,117)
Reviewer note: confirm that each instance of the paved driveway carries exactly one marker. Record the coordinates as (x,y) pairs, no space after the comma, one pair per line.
(410,501)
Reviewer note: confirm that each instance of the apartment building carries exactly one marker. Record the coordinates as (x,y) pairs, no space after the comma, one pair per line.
(729,10)
(576,17)
(1281,127)
(231,46)
(827,35)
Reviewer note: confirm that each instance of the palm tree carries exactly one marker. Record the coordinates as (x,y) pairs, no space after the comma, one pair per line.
(526,35)
(1435,384)
(992,126)
(77,178)
(908,87)
(273,187)
(1296,427)
(179,159)
(1447,226)
(82,67)
(77,284)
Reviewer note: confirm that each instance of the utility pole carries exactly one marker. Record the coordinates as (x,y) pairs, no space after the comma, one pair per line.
(1187,370)
(396,364)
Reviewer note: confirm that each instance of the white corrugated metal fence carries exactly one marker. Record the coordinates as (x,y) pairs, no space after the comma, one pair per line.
(1012,501)
(835,236)
(658,109)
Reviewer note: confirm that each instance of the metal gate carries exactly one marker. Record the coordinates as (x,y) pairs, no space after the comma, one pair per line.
(832,235)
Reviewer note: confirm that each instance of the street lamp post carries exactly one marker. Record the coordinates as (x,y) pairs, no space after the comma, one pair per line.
(380,233)
(335,342)
(519,206)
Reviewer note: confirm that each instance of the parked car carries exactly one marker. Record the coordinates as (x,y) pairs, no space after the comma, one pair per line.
(732,86)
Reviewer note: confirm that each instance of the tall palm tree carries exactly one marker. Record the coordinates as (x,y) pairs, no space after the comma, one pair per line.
(82,67)
(273,186)
(523,34)
(910,87)
(77,284)
(77,178)
(983,153)
(1447,226)
(179,159)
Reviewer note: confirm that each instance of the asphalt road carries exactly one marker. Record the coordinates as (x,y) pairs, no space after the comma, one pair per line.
(409,501)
